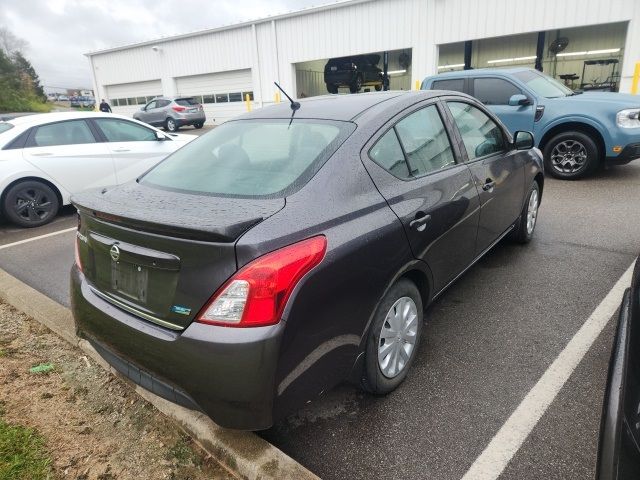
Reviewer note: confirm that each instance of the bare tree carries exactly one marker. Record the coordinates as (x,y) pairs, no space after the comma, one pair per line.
(11,44)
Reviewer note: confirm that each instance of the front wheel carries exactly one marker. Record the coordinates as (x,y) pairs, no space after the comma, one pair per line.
(171,125)
(393,338)
(523,231)
(571,155)
(30,204)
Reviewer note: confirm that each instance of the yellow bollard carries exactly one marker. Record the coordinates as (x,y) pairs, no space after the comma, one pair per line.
(276,97)
(248,100)
(417,84)
(636,79)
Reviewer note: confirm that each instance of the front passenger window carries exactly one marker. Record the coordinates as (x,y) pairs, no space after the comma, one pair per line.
(123,131)
(480,134)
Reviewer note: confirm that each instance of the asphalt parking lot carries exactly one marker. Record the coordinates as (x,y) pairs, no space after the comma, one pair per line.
(487,341)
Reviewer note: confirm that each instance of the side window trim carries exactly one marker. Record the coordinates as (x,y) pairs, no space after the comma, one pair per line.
(507,138)
(100,138)
(20,141)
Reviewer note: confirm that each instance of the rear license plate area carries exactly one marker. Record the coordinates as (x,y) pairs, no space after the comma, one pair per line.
(333,69)
(130,280)
(192,110)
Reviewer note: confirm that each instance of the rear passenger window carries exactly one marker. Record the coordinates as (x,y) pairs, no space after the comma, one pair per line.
(425,141)
(74,132)
(388,154)
(494,91)
(457,85)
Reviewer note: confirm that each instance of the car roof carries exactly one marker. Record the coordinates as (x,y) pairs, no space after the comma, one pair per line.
(481,71)
(40,118)
(341,107)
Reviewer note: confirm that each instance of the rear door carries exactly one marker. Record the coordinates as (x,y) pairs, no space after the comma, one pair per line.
(70,154)
(497,169)
(416,168)
(134,147)
(619,446)
(150,113)
(495,94)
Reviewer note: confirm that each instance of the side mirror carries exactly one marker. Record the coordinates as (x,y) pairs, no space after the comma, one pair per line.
(523,140)
(161,137)
(518,100)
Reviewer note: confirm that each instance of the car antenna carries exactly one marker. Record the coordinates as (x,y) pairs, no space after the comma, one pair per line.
(294,105)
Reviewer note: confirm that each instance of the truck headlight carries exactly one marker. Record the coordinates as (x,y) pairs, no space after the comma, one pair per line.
(629,118)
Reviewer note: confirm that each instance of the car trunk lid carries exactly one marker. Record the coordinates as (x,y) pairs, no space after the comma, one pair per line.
(163,258)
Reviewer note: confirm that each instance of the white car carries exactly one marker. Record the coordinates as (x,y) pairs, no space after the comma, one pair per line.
(44,159)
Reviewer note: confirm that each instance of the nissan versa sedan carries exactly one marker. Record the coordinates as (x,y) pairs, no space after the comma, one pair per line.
(44,159)
(278,255)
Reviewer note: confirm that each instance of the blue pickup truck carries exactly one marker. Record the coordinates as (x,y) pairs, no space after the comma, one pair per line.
(577,132)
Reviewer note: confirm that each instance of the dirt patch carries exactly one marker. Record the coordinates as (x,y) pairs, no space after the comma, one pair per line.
(94,425)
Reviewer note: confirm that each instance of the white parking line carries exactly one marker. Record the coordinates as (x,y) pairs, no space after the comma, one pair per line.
(40,237)
(504,445)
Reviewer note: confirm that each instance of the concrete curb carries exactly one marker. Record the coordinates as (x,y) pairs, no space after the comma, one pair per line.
(244,453)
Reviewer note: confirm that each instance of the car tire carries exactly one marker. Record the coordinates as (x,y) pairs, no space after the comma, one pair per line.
(571,155)
(380,376)
(378,87)
(526,225)
(171,125)
(357,85)
(30,204)
(332,88)
(198,125)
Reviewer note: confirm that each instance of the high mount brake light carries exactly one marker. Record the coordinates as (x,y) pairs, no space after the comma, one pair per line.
(257,294)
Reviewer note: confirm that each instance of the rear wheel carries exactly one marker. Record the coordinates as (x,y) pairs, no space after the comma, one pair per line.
(393,338)
(30,203)
(198,125)
(571,155)
(523,232)
(171,125)
(378,87)
(332,88)
(357,85)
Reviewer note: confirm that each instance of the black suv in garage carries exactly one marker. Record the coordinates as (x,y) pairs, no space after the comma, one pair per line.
(353,72)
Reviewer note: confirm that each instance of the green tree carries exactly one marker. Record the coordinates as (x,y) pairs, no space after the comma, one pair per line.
(29,76)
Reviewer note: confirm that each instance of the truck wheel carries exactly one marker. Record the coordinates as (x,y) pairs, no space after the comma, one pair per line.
(571,155)
(332,88)
(357,85)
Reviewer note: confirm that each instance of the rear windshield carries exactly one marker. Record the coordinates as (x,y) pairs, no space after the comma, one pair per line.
(251,158)
(185,102)
(5,126)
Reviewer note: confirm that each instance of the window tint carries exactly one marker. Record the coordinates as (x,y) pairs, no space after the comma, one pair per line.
(208,98)
(235,97)
(494,91)
(63,133)
(455,84)
(122,131)
(388,154)
(481,135)
(425,141)
(186,102)
(250,158)
(163,103)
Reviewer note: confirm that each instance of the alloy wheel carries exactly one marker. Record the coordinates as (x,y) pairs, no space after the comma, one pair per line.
(33,204)
(569,156)
(532,212)
(398,337)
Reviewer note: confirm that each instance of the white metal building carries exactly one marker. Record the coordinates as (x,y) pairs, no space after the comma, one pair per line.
(423,37)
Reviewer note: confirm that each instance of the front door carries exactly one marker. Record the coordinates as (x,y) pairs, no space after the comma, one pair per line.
(497,170)
(495,94)
(415,167)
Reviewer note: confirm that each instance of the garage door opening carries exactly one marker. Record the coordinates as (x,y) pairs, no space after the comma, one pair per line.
(356,73)
(583,58)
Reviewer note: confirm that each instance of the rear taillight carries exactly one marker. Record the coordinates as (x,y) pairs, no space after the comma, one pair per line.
(178,108)
(257,294)
(77,254)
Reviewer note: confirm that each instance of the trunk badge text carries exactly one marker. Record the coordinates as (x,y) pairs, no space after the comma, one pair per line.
(115,253)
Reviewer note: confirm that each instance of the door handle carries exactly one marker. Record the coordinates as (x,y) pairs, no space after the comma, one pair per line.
(121,150)
(420,222)
(488,185)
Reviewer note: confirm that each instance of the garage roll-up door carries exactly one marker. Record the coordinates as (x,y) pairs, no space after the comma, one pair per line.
(132,95)
(221,94)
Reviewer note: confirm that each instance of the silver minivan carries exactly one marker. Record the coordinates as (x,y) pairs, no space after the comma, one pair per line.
(172,113)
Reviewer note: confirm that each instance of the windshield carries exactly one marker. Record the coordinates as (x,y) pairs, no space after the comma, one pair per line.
(4,126)
(543,85)
(251,158)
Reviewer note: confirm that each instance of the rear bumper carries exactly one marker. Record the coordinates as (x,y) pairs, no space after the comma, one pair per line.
(629,153)
(228,373)
(190,118)
(341,77)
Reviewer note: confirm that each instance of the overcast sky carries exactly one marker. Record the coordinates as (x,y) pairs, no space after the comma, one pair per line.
(60,32)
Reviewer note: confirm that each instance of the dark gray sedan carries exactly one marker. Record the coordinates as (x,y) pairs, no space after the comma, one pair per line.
(278,255)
